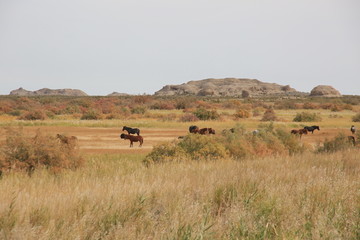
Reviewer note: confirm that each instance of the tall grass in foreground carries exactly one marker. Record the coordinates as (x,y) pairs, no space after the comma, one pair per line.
(116,197)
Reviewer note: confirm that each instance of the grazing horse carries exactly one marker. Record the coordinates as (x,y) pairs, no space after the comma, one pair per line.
(352,140)
(131,130)
(204,131)
(299,131)
(312,128)
(353,129)
(66,140)
(132,139)
(194,129)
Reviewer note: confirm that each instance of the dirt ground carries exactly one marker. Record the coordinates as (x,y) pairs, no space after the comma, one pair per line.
(107,140)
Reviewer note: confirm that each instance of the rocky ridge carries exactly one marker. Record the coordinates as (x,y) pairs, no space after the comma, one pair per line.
(239,87)
(48,92)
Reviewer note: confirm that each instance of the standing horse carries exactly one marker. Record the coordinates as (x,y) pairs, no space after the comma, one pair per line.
(65,139)
(193,129)
(352,140)
(132,139)
(131,130)
(299,131)
(312,128)
(353,129)
(204,131)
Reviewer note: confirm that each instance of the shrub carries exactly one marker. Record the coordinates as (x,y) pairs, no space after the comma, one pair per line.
(310,105)
(202,147)
(165,152)
(91,115)
(356,118)
(241,113)
(204,114)
(237,144)
(21,152)
(188,117)
(192,147)
(138,110)
(340,142)
(307,117)
(33,115)
(269,115)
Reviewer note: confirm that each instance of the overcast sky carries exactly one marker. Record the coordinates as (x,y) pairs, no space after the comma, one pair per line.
(138,46)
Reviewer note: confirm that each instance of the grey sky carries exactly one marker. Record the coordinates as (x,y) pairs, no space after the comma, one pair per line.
(139,46)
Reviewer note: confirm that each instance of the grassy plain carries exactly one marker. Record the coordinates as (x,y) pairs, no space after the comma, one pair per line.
(114,196)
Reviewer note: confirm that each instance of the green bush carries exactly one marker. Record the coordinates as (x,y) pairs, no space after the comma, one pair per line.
(307,117)
(237,144)
(204,114)
(192,147)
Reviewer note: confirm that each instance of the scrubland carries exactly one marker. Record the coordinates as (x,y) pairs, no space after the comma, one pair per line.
(286,188)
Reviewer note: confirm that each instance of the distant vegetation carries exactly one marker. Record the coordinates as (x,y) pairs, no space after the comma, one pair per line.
(203,108)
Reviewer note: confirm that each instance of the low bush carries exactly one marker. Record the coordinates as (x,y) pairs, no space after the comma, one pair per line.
(237,144)
(33,115)
(269,115)
(192,147)
(204,114)
(307,117)
(21,152)
(356,118)
(242,113)
(340,142)
(91,115)
(188,117)
(138,110)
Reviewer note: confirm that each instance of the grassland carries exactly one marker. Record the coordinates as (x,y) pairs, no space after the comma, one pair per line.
(115,196)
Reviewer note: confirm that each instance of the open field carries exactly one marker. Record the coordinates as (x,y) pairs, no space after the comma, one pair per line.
(115,196)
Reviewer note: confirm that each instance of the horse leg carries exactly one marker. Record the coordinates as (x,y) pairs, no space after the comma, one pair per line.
(131,143)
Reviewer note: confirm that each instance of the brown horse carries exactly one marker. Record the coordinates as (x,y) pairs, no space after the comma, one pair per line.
(299,131)
(65,139)
(204,131)
(132,139)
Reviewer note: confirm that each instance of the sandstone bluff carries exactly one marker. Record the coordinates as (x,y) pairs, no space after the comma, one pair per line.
(239,87)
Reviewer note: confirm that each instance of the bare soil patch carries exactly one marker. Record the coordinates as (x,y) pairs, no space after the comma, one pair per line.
(107,140)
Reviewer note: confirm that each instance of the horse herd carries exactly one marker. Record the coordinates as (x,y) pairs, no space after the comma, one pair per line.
(206,131)
(305,130)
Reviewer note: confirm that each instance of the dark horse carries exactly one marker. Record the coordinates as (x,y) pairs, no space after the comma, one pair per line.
(132,139)
(312,128)
(194,129)
(300,131)
(204,131)
(352,140)
(131,130)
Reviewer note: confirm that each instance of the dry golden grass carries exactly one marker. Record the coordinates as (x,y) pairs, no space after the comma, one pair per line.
(116,197)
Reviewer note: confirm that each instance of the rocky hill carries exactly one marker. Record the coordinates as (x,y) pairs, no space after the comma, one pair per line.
(117,94)
(239,87)
(324,91)
(48,92)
